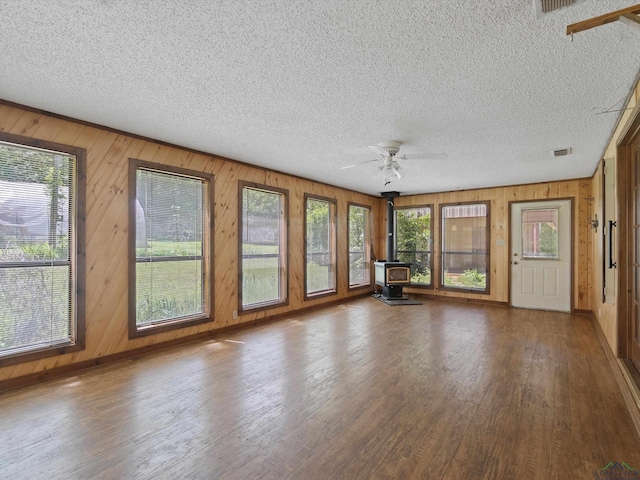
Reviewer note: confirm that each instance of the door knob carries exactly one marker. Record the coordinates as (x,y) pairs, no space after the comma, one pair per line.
(514,263)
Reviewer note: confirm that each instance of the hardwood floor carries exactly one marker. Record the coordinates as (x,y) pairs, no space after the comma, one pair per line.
(444,390)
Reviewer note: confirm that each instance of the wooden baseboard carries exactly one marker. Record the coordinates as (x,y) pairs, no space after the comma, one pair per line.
(76,367)
(580,311)
(624,378)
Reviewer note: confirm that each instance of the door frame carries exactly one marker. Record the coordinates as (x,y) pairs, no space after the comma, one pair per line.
(628,136)
(572,202)
(626,374)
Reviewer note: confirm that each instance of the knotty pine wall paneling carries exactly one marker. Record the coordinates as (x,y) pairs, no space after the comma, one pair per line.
(578,190)
(607,313)
(107,230)
(108,155)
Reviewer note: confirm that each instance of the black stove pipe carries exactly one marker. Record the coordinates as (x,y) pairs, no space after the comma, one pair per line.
(390,230)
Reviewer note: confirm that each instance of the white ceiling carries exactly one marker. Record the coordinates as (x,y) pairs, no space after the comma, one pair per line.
(304,86)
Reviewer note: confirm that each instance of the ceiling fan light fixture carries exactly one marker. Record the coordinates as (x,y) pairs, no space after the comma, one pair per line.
(396,169)
(388,153)
(390,170)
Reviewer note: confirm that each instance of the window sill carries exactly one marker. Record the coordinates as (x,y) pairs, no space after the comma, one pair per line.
(31,354)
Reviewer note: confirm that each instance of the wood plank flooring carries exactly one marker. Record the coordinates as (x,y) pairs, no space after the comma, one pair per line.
(362,390)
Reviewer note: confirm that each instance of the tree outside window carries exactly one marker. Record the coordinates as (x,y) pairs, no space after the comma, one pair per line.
(359,245)
(414,242)
(263,220)
(320,246)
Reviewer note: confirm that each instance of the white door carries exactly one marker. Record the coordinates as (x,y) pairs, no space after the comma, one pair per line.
(541,255)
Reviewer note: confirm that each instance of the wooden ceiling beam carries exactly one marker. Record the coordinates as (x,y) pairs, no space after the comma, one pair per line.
(629,14)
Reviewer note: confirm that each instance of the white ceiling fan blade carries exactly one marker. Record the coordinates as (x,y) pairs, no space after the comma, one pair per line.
(360,163)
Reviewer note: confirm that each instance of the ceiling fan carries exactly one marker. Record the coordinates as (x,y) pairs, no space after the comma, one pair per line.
(388,152)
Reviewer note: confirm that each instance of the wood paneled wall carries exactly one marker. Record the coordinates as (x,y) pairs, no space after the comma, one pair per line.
(108,153)
(107,228)
(607,313)
(578,190)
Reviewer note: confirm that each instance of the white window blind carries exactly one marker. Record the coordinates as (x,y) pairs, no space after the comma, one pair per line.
(37,277)
(540,233)
(169,247)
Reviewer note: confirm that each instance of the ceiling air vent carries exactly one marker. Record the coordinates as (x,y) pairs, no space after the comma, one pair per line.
(561,152)
(547,6)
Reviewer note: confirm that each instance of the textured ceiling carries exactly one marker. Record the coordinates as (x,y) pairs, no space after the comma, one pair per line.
(304,86)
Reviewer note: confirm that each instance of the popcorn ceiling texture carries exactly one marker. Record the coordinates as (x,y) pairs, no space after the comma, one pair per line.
(304,86)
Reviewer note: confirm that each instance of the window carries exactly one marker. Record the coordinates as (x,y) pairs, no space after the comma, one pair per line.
(465,237)
(359,245)
(41,249)
(414,242)
(540,233)
(170,245)
(320,246)
(263,240)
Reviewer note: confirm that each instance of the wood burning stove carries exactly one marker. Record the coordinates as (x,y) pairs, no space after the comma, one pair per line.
(391,276)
